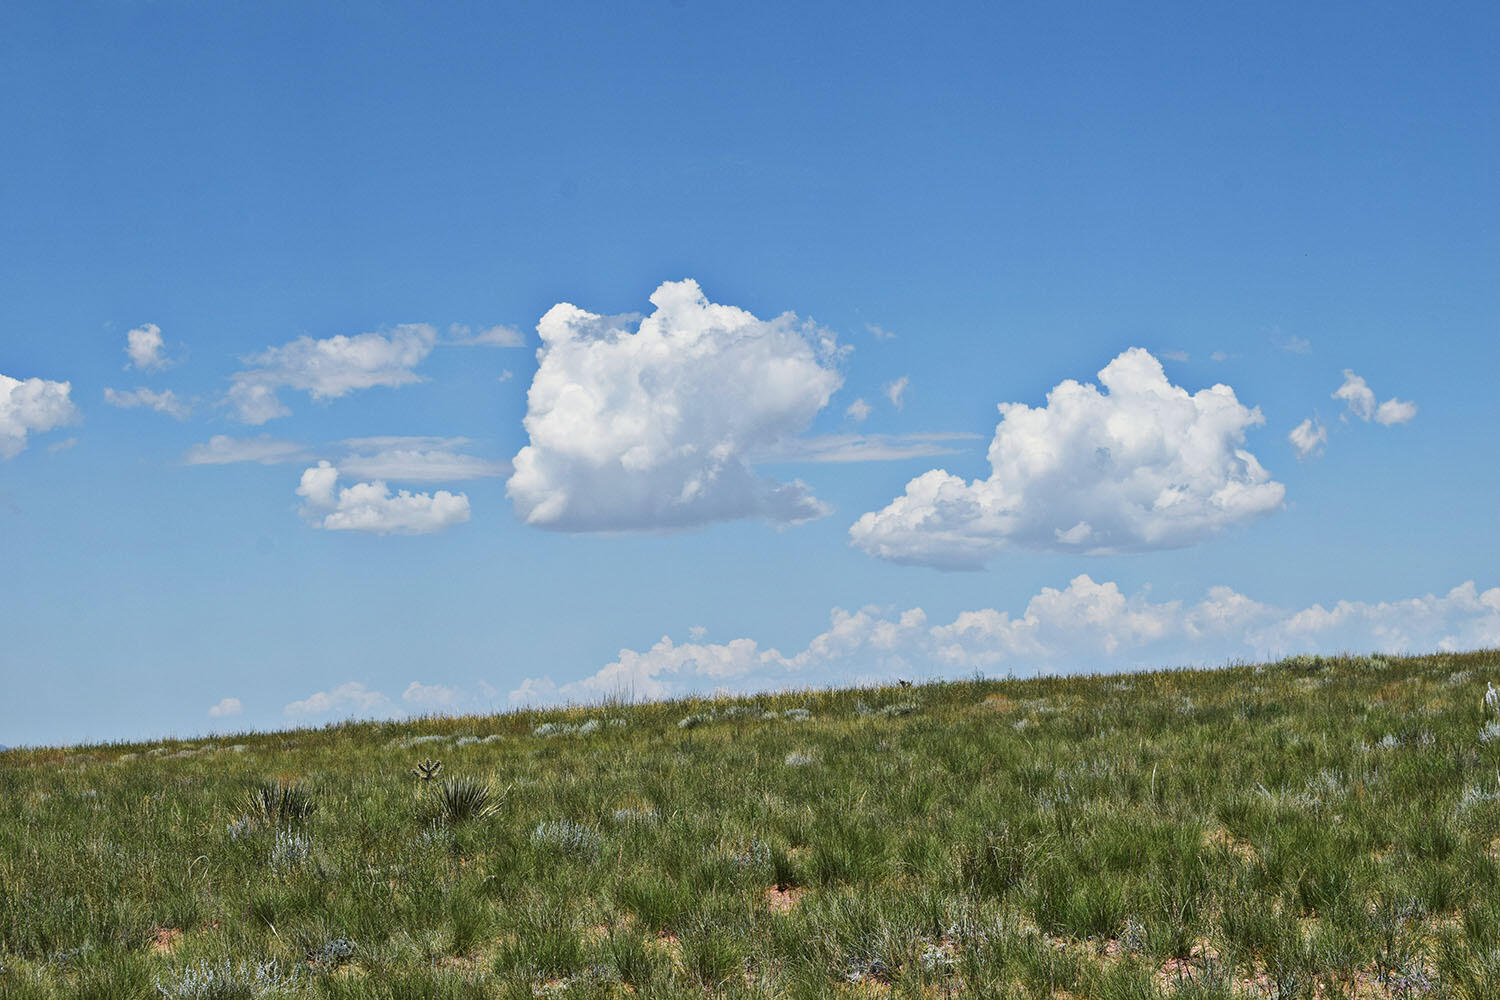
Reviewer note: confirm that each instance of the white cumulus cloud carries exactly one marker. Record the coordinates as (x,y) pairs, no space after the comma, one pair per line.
(1087,625)
(1357,395)
(654,428)
(370,507)
(225,708)
(349,699)
(1141,465)
(221,449)
(328,368)
(162,402)
(1395,411)
(144,346)
(28,406)
(1360,400)
(859,410)
(1308,437)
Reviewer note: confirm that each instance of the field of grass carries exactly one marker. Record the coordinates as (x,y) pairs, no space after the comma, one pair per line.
(1310,828)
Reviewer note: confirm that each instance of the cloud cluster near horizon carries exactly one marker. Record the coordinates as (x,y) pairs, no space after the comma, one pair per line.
(655,428)
(1140,465)
(1086,626)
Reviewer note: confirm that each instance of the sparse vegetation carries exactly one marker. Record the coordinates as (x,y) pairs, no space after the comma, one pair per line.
(1314,828)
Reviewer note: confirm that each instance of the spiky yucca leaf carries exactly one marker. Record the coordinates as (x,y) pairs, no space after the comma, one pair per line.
(464,799)
(277,803)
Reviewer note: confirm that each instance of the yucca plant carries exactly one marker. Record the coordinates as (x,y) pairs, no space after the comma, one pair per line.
(277,803)
(464,799)
(428,769)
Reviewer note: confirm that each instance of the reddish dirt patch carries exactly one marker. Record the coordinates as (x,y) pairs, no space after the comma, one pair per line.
(164,939)
(782,900)
(1219,837)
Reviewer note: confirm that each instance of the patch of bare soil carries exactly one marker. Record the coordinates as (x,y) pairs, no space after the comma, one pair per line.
(164,939)
(782,900)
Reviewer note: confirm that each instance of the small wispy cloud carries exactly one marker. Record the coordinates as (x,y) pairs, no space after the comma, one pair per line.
(1309,437)
(1359,398)
(221,449)
(879,333)
(167,401)
(432,697)
(494,336)
(417,459)
(859,410)
(895,390)
(328,368)
(866,447)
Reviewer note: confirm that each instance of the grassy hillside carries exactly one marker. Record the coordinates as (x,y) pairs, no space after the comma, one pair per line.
(1312,828)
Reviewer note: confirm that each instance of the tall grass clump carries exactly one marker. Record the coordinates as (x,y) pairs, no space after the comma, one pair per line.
(464,799)
(276,803)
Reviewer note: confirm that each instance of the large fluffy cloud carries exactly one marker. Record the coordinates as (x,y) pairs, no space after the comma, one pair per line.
(370,507)
(328,368)
(1086,625)
(1141,464)
(31,405)
(655,428)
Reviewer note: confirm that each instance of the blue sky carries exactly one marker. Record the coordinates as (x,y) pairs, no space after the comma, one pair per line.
(1290,203)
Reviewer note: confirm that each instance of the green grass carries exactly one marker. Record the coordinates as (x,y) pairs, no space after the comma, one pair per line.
(1311,828)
